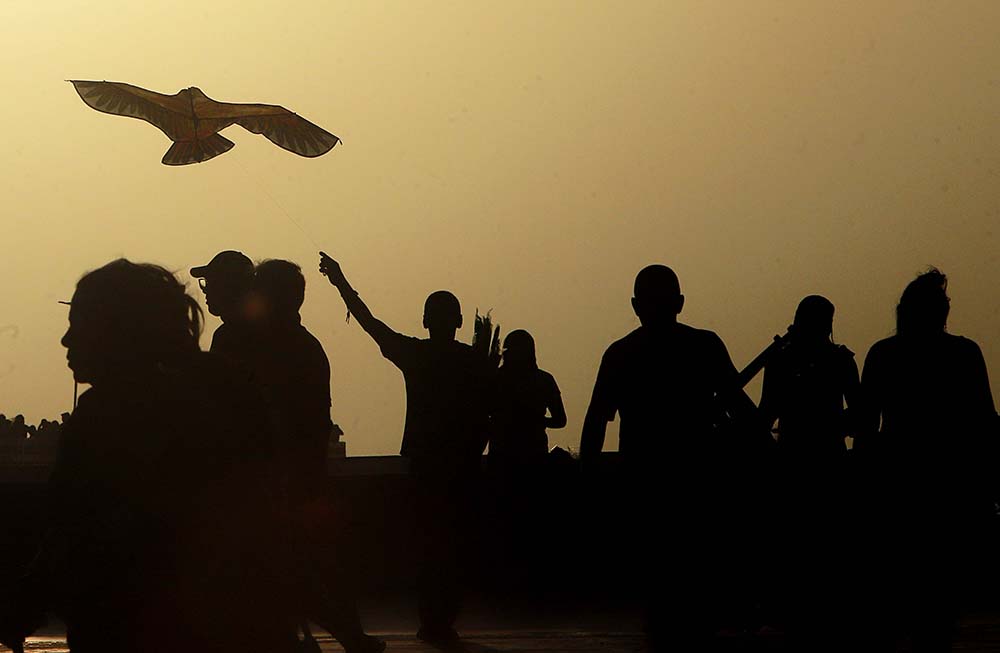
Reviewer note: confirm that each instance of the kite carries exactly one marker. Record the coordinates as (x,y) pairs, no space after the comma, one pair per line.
(192,120)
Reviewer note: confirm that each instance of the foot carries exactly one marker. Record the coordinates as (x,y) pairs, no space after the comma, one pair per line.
(368,644)
(15,645)
(437,635)
(308,645)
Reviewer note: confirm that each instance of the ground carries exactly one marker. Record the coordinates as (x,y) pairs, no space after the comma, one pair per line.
(979,633)
(475,642)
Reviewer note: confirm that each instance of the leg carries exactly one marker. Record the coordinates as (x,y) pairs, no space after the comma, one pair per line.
(444,507)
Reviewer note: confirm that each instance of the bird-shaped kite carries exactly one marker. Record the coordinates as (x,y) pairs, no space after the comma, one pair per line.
(192,120)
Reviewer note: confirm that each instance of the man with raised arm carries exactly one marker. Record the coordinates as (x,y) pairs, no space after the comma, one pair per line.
(663,380)
(444,436)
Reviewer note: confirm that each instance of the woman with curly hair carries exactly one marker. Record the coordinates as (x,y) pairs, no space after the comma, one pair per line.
(926,434)
(159,496)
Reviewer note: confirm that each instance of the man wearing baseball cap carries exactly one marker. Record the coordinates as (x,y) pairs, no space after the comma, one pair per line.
(227,281)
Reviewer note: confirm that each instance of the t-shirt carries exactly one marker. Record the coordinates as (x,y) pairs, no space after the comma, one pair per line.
(293,372)
(662,383)
(518,416)
(805,389)
(927,394)
(930,398)
(447,390)
(237,343)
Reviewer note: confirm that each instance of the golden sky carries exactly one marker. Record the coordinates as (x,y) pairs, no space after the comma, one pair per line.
(529,156)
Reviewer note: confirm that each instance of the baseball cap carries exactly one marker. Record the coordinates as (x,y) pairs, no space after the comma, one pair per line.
(229,262)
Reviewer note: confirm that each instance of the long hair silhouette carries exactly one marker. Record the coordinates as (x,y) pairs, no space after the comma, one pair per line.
(923,307)
(519,351)
(814,317)
(127,314)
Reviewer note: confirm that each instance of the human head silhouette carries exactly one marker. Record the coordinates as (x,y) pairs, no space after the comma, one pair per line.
(657,298)
(813,319)
(442,315)
(128,316)
(519,351)
(923,307)
(281,287)
(226,280)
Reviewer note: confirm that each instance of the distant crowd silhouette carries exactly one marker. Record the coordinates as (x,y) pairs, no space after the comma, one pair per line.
(17,429)
(181,499)
(23,444)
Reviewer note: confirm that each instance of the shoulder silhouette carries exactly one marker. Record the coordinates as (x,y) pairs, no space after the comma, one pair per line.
(661,379)
(527,402)
(809,384)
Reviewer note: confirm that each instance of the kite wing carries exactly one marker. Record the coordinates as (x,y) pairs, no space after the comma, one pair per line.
(279,125)
(171,114)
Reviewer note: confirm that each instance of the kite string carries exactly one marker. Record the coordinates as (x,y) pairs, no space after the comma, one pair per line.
(259,184)
(302,229)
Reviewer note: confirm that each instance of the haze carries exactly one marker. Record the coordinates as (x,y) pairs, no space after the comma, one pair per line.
(529,156)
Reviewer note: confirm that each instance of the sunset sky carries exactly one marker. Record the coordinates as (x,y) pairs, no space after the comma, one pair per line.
(529,156)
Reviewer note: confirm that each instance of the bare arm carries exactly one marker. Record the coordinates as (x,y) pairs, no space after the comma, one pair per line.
(852,395)
(866,414)
(734,398)
(595,427)
(557,413)
(769,398)
(374,327)
(602,409)
(982,394)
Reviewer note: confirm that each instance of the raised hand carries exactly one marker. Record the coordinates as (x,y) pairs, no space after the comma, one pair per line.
(331,269)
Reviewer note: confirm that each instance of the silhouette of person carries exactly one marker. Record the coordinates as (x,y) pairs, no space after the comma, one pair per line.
(444,436)
(294,373)
(661,379)
(664,380)
(927,430)
(524,394)
(526,402)
(19,429)
(160,503)
(806,387)
(227,281)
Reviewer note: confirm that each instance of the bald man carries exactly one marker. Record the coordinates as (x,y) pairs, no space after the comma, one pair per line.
(663,380)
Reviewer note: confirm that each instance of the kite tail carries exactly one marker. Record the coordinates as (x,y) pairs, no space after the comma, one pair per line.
(185,152)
